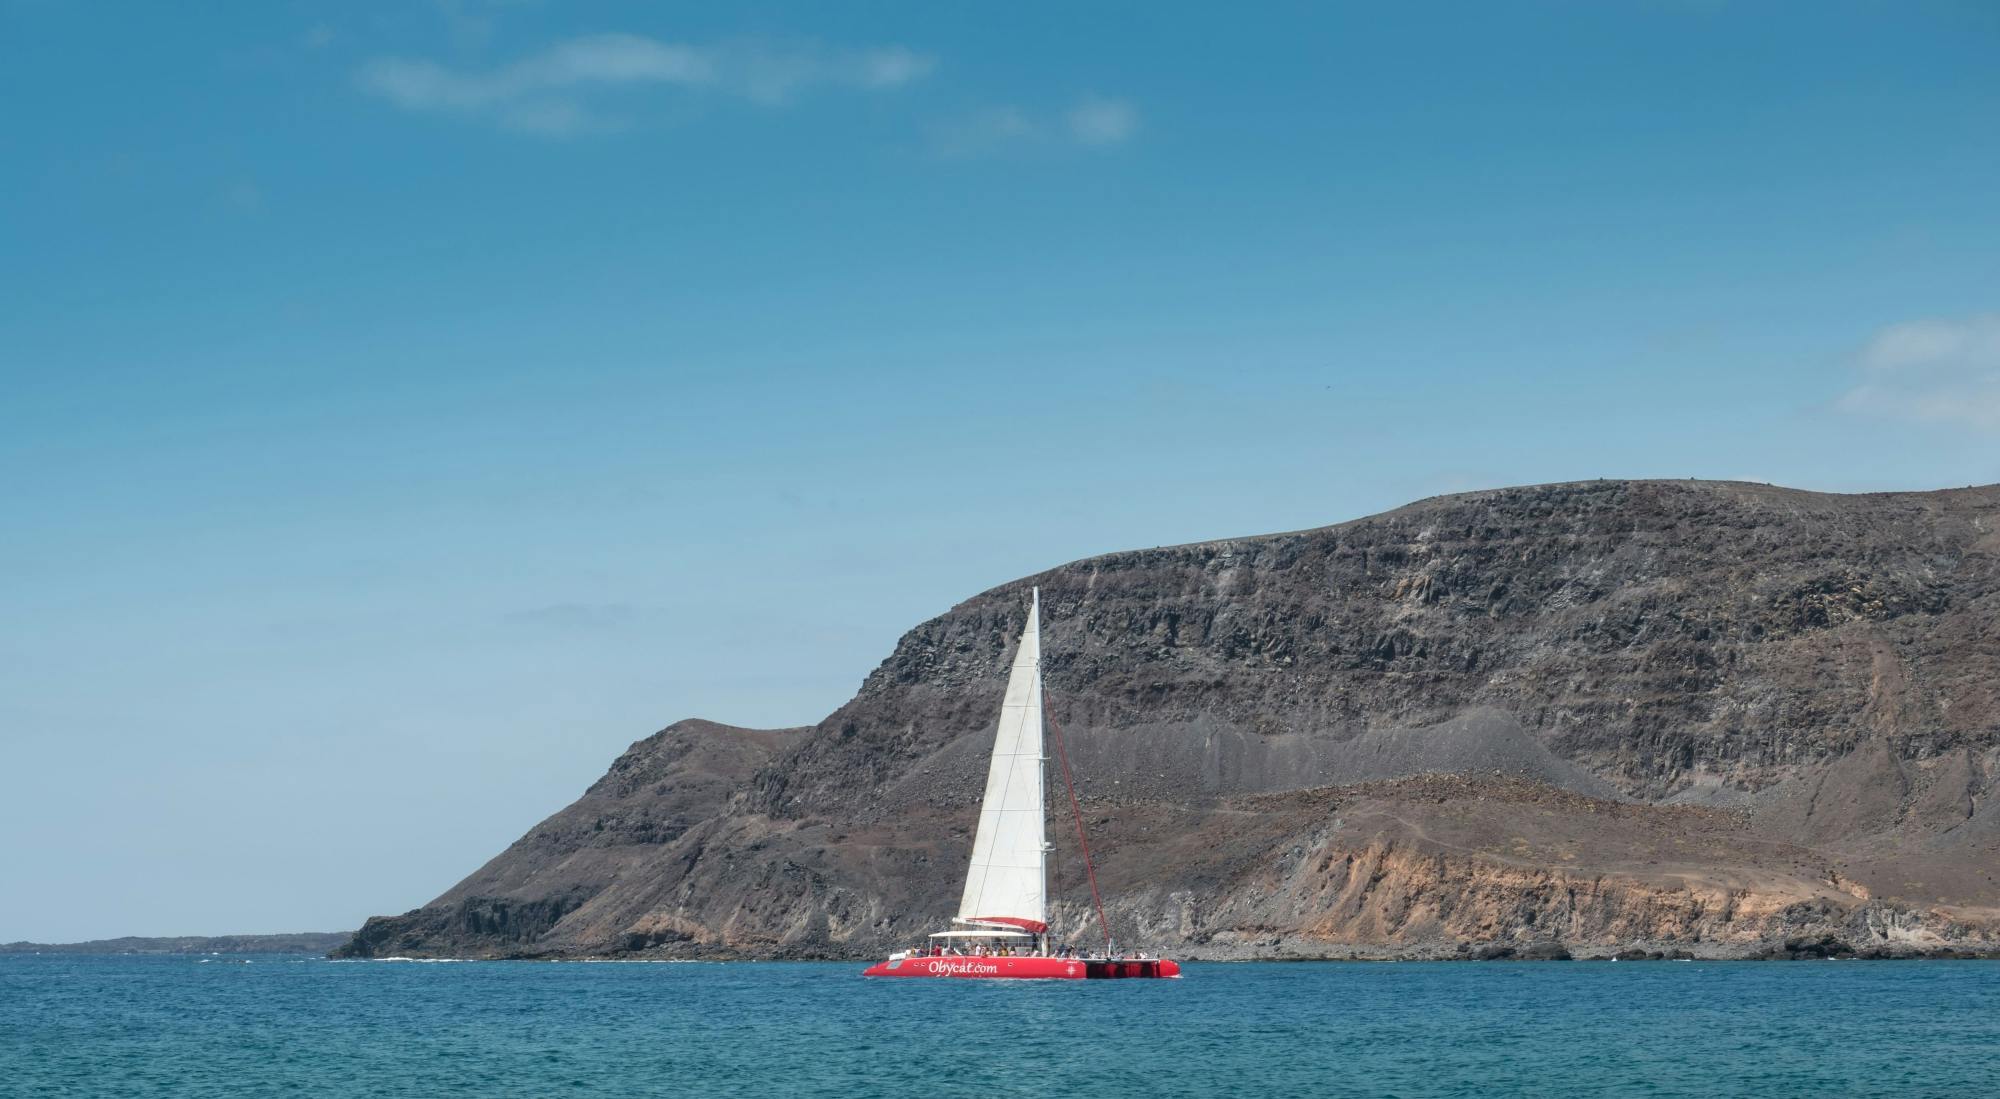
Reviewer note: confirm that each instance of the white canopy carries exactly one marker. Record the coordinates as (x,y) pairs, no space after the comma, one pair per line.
(981,935)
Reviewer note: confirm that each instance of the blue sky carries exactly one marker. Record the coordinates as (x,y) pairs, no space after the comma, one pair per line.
(406,407)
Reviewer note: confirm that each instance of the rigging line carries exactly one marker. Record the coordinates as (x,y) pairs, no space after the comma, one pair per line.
(1055,852)
(1077,810)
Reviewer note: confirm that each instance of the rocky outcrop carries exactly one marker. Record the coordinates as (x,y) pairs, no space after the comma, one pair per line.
(1608,716)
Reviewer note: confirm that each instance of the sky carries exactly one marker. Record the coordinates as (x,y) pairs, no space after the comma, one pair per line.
(405,407)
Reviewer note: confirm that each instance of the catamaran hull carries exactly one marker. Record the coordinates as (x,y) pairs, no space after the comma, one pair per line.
(1024,969)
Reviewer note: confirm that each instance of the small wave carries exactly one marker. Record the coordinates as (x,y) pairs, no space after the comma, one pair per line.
(643,961)
(401,958)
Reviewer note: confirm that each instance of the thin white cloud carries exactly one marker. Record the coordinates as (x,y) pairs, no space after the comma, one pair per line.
(547,92)
(1092,122)
(244,196)
(470,22)
(985,132)
(557,118)
(893,67)
(582,616)
(1940,370)
(1102,121)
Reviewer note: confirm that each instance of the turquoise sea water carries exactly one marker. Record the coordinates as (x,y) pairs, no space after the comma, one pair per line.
(111,1026)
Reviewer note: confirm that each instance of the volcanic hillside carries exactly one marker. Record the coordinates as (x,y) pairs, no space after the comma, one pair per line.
(1719,718)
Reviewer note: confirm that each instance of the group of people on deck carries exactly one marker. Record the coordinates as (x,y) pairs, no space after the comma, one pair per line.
(982,950)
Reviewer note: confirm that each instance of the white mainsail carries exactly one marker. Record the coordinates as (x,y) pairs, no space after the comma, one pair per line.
(1008,882)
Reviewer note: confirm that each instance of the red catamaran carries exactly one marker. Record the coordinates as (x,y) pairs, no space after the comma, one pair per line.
(1002,927)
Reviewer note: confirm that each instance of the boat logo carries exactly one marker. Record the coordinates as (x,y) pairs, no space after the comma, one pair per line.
(942,968)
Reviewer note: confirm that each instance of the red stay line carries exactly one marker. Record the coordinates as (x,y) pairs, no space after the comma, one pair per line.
(1077,811)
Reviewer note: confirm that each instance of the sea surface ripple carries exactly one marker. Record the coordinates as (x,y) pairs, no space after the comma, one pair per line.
(183,1026)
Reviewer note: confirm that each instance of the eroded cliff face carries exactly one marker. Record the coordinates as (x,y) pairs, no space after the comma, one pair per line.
(1608,715)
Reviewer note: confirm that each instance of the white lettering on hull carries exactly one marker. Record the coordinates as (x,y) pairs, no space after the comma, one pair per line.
(941,968)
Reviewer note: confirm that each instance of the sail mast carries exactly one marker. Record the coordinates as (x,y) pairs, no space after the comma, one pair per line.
(1007,883)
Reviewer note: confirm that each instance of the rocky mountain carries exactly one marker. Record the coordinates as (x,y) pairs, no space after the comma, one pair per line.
(1722,718)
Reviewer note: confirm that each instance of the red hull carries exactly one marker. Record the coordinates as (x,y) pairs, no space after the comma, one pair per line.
(1023,969)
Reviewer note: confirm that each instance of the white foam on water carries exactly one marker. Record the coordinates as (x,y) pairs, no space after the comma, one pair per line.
(400,958)
(644,961)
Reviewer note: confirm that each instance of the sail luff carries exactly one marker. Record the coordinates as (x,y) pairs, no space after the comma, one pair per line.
(1007,882)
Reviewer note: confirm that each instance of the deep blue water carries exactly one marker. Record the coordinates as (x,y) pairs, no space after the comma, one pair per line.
(106,1026)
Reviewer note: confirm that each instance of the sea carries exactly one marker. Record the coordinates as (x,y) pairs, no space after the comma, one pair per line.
(269,1025)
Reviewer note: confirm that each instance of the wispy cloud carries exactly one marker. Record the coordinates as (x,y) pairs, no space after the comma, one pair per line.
(985,132)
(1102,121)
(583,617)
(1941,370)
(244,196)
(559,90)
(1092,121)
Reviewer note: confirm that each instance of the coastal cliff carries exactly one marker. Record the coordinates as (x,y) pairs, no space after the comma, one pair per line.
(1715,718)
